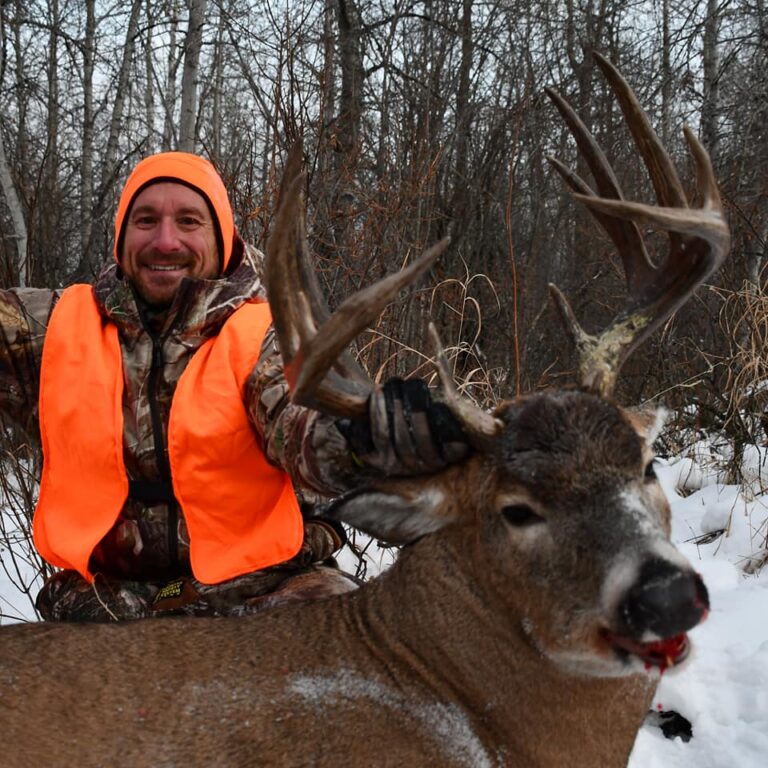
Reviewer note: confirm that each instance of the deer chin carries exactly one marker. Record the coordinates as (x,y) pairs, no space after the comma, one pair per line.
(608,654)
(658,655)
(593,656)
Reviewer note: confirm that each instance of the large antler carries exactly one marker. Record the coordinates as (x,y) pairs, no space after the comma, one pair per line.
(321,372)
(698,237)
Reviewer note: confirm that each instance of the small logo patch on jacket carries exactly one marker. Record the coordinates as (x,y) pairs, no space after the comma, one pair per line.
(175,595)
(171,590)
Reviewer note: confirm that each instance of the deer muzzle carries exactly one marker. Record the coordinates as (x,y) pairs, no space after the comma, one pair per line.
(656,612)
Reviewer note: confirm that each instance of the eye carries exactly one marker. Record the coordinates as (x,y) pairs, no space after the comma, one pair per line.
(650,472)
(521,515)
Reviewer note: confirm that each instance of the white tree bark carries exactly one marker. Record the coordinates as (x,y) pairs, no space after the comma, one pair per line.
(86,162)
(192,44)
(710,108)
(17,216)
(121,91)
(12,199)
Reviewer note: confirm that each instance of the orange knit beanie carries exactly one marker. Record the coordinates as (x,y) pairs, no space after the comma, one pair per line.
(195,172)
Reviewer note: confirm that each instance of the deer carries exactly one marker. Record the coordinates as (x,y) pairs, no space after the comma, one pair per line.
(535,602)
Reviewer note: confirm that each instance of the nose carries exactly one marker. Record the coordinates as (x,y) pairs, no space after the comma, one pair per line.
(166,236)
(665,600)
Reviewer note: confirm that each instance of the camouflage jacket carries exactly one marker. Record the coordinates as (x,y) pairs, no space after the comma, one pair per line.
(150,540)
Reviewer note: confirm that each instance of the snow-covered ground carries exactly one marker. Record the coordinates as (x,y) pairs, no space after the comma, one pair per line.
(723,689)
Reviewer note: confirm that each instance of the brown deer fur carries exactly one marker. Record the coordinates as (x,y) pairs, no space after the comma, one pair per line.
(479,647)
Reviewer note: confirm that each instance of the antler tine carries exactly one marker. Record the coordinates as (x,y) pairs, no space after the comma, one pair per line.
(699,237)
(345,365)
(312,341)
(624,234)
(666,182)
(480,426)
(301,268)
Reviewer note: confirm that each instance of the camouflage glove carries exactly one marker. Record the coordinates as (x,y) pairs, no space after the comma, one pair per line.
(406,431)
(321,539)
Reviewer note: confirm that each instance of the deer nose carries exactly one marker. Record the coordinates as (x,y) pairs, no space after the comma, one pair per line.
(665,600)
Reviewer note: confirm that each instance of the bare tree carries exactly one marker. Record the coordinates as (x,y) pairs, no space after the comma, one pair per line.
(86,161)
(710,107)
(189,79)
(12,200)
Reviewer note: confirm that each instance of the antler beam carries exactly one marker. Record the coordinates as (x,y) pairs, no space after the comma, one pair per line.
(699,238)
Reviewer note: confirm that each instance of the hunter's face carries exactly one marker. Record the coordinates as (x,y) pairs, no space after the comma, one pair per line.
(169,235)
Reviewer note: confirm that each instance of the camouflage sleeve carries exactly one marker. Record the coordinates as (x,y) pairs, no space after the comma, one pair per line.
(304,443)
(24,314)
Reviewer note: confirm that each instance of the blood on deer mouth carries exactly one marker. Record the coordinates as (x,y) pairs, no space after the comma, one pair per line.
(657,654)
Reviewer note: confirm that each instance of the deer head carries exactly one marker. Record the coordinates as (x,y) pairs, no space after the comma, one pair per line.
(558,505)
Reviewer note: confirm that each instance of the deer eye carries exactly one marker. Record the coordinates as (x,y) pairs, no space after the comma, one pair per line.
(521,515)
(650,472)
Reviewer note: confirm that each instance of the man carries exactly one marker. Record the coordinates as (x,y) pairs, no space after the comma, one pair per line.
(170,445)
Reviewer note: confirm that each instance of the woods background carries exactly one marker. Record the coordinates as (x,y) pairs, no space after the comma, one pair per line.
(420,118)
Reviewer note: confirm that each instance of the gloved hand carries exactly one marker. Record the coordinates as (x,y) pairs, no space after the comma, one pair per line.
(322,538)
(406,431)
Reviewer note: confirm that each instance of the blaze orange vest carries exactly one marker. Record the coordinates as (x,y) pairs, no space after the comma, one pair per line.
(241,511)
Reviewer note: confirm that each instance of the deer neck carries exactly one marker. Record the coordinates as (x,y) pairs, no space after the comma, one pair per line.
(429,619)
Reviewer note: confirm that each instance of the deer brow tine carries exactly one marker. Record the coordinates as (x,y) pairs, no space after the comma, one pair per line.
(314,299)
(307,275)
(571,178)
(480,427)
(666,183)
(337,395)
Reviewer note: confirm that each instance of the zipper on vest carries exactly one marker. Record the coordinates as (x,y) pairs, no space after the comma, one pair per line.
(161,458)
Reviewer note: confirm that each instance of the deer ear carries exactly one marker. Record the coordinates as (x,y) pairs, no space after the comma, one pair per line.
(393,516)
(648,421)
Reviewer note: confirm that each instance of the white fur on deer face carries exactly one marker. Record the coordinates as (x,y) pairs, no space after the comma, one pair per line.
(570,533)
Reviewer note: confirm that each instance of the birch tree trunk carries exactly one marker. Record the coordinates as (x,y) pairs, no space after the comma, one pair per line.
(169,97)
(463,114)
(121,92)
(87,262)
(189,79)
(149,74)
(86,161)
(710,108)
(217,77)
(666,74)
(12,200)
(22,86)
(17,217)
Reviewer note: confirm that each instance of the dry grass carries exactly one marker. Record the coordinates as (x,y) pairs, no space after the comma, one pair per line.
(731,421)
(744,318)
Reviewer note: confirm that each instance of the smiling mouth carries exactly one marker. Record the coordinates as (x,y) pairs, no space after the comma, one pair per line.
(165,267)
(658,654)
